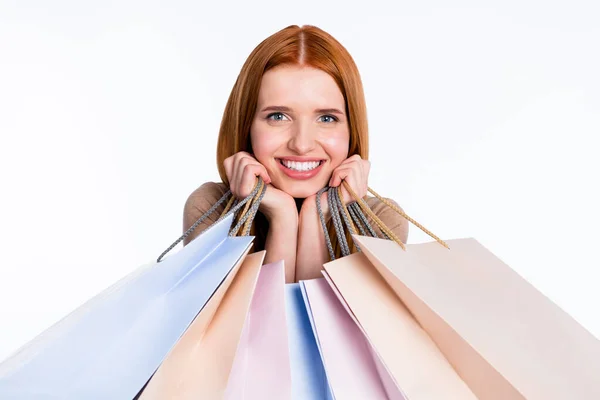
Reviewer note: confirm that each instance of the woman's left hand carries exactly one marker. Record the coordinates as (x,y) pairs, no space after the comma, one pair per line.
(355,171)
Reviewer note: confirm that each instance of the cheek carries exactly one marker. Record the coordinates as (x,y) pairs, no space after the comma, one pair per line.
(264,144)
(336,146)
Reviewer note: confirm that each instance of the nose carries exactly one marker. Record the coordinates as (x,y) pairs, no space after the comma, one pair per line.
(303,138)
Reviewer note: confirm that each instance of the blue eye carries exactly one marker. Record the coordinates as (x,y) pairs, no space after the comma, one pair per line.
(278,114)
(333,119)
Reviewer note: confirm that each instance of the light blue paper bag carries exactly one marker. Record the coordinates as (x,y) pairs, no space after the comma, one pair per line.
(309,381)
(109,347)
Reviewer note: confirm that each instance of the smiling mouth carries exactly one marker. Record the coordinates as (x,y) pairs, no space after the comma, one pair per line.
(301,166)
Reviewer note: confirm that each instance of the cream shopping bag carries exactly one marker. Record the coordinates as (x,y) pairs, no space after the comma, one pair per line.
(412,358)
(502,336)
(199,364)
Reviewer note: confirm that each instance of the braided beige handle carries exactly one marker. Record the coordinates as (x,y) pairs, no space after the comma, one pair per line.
(245,229)
(381,225)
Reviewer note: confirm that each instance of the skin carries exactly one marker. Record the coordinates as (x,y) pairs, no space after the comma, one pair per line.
(300,114)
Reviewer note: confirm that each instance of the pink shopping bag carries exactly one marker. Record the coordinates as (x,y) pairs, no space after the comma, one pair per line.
(353,368)
(261,368)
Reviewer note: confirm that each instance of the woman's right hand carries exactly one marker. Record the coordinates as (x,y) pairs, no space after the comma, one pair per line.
(241,170)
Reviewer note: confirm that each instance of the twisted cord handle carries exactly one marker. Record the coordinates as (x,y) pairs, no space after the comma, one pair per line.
(418,225)
(231,208)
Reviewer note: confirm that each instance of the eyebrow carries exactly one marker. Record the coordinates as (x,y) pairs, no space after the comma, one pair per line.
(287,109)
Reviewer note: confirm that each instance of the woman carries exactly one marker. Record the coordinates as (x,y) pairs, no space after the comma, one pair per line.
(297,118)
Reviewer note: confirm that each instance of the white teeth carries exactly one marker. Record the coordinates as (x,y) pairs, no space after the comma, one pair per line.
(301,166)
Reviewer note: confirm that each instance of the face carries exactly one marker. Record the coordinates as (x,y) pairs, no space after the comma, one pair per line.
(300,129)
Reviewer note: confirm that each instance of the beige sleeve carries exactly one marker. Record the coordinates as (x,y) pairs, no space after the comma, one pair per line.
(198,203)
(394,221)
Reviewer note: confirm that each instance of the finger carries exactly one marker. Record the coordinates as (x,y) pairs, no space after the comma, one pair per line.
(238,174)
(366,172)
(258,170)
(248,179)
(237,158)
(354,157)
(340,174)
(347,163)
(228,165)
(246,172)
(351,160)
(361,169)
(241,154)
(262,171)
(354,162)
(349,175)
(366,167)
(242,159)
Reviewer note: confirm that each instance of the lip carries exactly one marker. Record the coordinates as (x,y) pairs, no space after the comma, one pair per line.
(300,175)
(300,159)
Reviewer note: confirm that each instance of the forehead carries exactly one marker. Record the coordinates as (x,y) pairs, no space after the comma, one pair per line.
(299,88)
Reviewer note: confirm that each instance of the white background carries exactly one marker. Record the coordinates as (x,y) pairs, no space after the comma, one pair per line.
(483,122)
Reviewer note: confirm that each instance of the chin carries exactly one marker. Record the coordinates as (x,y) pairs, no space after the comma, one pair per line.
(300,190)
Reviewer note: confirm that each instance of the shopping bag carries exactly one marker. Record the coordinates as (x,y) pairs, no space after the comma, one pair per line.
(412,358)
(308,374)
(261,368)
(113,344)
(352,367)
(198,366)
(503,337)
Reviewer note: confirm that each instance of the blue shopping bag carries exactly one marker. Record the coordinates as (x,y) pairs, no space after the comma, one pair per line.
(308,373)
(110,346)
